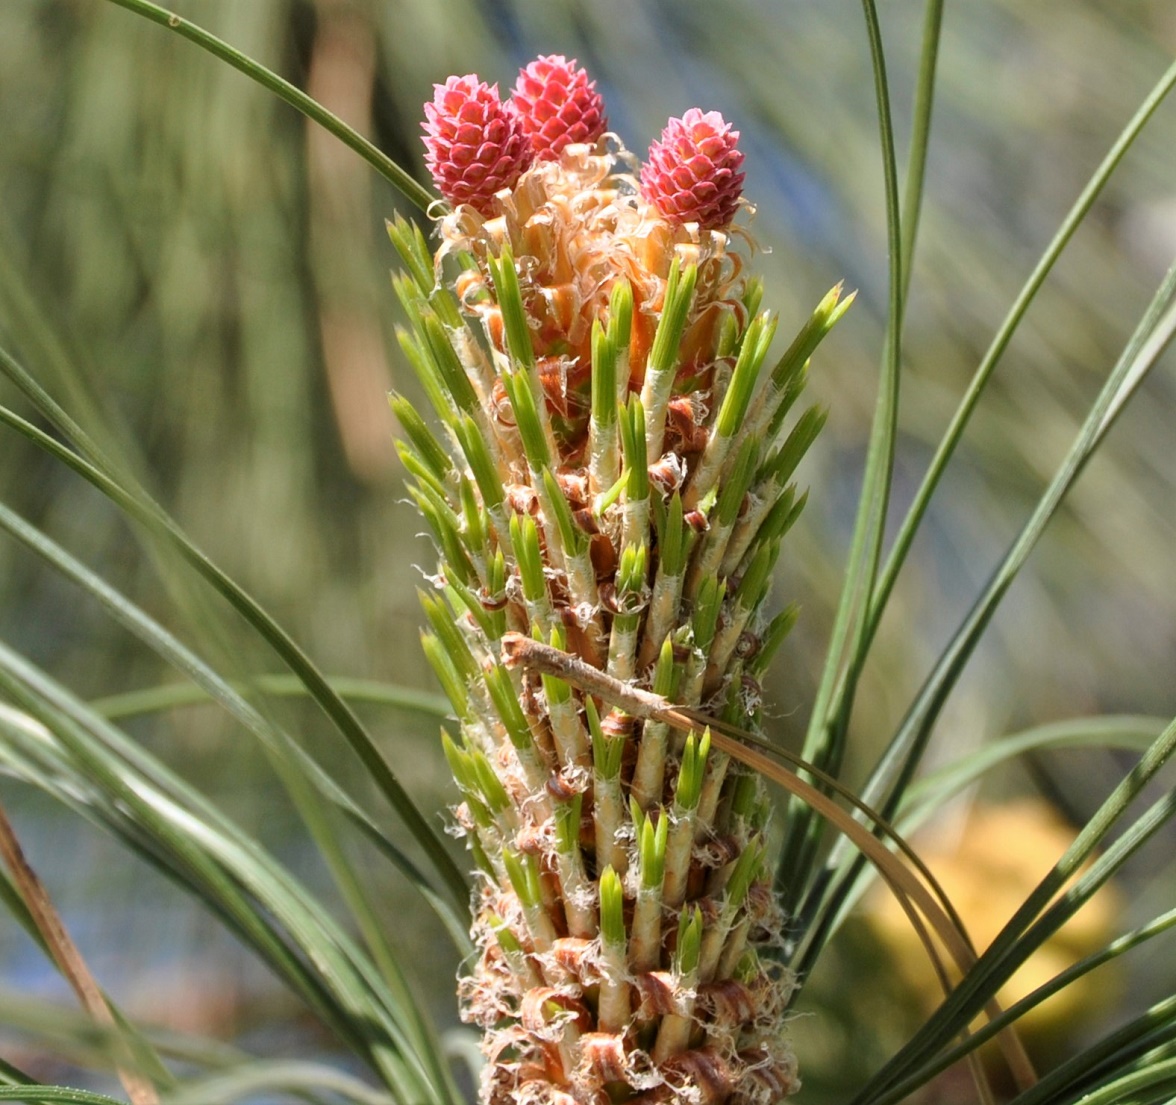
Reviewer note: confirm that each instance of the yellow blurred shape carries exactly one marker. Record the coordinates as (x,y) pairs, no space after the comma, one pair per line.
(1002,853)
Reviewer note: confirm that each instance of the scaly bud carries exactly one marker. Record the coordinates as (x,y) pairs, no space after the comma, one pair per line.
(557,104)
(692,173)
(475,142)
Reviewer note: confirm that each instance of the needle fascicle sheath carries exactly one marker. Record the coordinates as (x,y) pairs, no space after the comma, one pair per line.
(649,773)
(680,841)
(645,934)
(614,1005)
(663,357)
(571,739)
(673,547)
(729,423)
(608,804)
(673,1034)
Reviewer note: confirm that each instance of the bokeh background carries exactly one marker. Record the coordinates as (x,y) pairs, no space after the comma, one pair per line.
(203,278)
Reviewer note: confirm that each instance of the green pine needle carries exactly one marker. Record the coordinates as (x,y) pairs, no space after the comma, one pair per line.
(620,317)
(689,943)
(506,702)
(652,850)
(428,448)
(510,302)
(421,361)
(524,539)
(452,372)
(567,825)
(489,784)
(783,462)
(523,873)
(737,481)
(478,457)
(612,906)
(557,691)
(691,772)
(672,537)
(664,673)
(524,404)
(604,377)
(633,446)
(573,540)
(607,752)
(451,637)
(746,375)
(772,638)
(707,606)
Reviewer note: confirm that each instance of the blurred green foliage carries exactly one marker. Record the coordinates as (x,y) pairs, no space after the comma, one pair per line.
(206,277)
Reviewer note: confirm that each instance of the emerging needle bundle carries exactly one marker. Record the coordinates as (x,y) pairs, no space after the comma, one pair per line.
(613,477)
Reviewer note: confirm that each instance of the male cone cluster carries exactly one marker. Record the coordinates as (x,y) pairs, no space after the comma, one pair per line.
(612,476)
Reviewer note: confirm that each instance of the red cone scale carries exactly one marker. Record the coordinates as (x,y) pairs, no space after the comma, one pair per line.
(475,142)
(558,105)
(691,175)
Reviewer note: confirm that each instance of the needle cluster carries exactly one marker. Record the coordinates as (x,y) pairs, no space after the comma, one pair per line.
(611,473)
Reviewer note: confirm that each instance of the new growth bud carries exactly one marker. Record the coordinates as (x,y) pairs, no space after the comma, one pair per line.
(557,105)
(692,172)
(475,144)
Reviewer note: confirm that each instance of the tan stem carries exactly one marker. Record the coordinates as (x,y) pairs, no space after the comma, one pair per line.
(606,817)
(622,647)
(577,893)
(712,947)
(760,503)
(723,648)
(734,948)
(540,926)
(571,739)
(614,1008)
(679,847)
(582,585)
(663,611)
(68,959)
(692,684)
(707,558)
(712,787)
(673,1034)
(707,473)
(649,774)
(645,935)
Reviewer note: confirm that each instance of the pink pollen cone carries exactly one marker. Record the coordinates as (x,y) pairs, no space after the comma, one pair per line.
(691,174)
(558,105)
(475,143)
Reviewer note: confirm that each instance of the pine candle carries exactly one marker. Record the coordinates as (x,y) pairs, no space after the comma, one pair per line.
(612,477)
